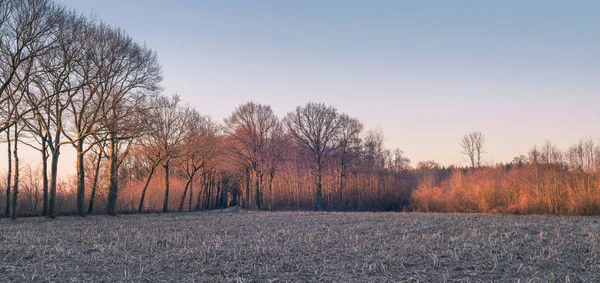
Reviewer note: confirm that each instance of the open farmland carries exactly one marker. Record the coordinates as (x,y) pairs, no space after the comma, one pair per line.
(300,247)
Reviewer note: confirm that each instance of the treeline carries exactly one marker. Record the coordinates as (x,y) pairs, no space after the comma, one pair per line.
(69,81)
(546,181)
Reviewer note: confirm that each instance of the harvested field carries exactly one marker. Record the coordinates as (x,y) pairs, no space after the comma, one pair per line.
(242,246)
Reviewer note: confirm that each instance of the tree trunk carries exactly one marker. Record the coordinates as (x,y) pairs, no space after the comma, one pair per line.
(199,201)
(191,194)
(209,189)
(234,196)
(166,202)
(113,177)
(36,199)
(257,182)
(219,200)
(319,196)
(16,176)
(247,203)
(44,178)
(8,174)
(53,180)
(146,184)
(80,179)
(271,177)
(94,184)
(185,190)
(341,184)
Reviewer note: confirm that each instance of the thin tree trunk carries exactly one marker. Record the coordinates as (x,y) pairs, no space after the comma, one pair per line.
(146,184)
(199,201)
(113,177)
(191,194)
(319,196)
(341,184)
(44,178)
(166,202)
(53,181)
(209,189)
(185,190)
(80,179)
(257,182)
(271,177)
(9,174)
(247,203)
(94,184)
(219,200)
(36,199)
(16,176)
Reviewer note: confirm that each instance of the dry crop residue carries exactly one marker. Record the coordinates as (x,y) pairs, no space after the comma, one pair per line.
(301,247)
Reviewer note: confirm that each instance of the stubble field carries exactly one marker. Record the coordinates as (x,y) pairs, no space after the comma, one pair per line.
(240,246)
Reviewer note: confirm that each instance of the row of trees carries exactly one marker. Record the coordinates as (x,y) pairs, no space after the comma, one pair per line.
(68,80)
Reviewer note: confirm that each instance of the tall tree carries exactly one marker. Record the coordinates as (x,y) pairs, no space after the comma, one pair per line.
(130,74)
(57,80)
(84,110)
(472,145)
(168,121)
(348,143)
(250,126)
(277,149)
(314,127)
(199,149)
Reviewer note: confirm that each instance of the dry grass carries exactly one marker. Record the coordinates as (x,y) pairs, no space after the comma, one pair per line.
(301,247)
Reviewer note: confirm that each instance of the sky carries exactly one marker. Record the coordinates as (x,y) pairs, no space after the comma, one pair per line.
(424,72)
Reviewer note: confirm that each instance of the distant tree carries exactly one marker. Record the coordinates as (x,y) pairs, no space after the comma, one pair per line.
(473,147)
(374,149)
(277,148)
(519,161)
(348,145)
(399,161)
(314,127)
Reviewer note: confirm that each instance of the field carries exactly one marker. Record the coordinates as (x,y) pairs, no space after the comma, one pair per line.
(238,246)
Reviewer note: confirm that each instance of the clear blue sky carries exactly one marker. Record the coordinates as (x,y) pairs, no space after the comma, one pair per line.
(426,72)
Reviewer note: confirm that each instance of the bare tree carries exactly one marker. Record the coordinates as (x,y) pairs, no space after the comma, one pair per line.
(9,173)
(84,109)
(250,126)
(200,148)
(130,73)
(314,127)
(16,175)
(276,149)
(149,156)
(399,161)
(167,122)
(97,160)
(348,143)
(58,81)
(374,148)
(473,148)
(27,31)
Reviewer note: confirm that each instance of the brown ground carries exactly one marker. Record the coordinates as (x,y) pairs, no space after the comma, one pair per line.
(301,247)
